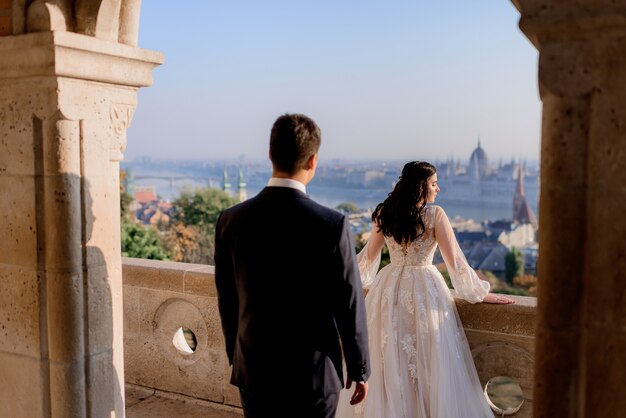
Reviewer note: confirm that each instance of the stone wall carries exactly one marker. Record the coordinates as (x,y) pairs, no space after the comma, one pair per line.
(5,17)
(502,340)
(160,297)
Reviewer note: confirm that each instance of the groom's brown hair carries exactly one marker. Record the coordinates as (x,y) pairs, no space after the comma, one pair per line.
(293,140)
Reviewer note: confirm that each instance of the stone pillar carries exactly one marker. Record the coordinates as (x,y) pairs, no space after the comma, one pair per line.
(66,100)
(581,335)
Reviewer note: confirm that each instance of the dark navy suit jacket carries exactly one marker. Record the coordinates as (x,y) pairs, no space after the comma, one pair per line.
(288,291)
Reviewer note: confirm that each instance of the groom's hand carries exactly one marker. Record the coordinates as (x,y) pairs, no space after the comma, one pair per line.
(360,391)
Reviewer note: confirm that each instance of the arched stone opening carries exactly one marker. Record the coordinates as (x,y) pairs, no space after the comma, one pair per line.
(66,100)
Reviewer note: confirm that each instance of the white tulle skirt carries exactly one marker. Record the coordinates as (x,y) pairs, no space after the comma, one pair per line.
(421,363)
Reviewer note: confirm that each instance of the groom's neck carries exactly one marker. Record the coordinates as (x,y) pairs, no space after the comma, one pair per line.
(303,176)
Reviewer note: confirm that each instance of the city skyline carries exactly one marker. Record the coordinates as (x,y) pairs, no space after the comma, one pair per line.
(416,81)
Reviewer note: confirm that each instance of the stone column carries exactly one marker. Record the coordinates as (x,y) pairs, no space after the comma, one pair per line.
(581,335)
(66,100)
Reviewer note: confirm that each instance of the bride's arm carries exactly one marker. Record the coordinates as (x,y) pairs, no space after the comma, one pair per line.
(369,257)
(464,279)
(375,242)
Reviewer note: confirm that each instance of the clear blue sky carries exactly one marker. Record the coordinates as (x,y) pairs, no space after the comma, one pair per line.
(402,79)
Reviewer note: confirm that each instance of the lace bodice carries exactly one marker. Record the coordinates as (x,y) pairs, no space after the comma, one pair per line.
(419,252)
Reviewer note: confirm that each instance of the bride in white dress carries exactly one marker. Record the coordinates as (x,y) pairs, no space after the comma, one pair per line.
(421,363)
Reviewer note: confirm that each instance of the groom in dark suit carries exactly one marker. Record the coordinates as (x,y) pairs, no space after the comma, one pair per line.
(289,289)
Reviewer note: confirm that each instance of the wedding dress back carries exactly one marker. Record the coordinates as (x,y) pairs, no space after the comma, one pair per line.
(421,363)
(419,252)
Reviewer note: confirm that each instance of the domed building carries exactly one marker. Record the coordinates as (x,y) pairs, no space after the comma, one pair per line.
(478,167)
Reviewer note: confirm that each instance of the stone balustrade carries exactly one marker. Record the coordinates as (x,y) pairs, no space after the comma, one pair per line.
(160,297)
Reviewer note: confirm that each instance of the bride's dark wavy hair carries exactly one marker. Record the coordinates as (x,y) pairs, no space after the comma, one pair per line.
(399,215)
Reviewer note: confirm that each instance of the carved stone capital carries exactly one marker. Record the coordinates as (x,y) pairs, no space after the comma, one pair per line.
(110,20)
(568,69)
(70,55)
(573,40)
(120,115)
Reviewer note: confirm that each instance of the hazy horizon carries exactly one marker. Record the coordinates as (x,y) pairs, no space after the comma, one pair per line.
(418,80)
(464,160)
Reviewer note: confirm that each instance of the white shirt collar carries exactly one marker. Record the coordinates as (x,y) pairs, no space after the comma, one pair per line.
(280,182)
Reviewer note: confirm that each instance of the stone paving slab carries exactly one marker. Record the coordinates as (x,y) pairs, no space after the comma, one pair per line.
(148,403)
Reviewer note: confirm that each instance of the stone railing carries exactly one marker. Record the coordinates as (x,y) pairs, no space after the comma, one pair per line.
(161,297)
(502,340)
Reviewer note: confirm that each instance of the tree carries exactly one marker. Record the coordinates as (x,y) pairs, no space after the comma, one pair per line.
(513,264)
(446,276)
(527,282)
(201,207)
(192,229)
(140,241)
(189,244)
(348,208)
(125,200)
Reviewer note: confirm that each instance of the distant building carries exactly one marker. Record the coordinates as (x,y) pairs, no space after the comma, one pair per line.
(226,186)
(478,167)
(145,194)
(154,212)
(480,185)
(243,192)
(520,235)
(522,213)
(367,178)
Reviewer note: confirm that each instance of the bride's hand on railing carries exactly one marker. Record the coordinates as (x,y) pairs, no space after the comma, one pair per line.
(497,299)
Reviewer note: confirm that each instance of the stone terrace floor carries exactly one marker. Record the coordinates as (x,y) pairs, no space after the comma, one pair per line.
(147,403)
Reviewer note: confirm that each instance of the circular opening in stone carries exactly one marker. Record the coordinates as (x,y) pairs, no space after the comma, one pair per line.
(504,395)
(185,340)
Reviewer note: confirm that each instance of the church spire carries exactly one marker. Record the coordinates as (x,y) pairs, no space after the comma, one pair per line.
(522,213)
(243,194)
(225,183)
(519,185)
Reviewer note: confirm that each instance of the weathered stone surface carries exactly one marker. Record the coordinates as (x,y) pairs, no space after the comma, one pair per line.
(18,223)
(19,313)
(582,80)
(19,372)
(147,403)
(151,358)
(516,319)
(131,312)
(67,388)
(200,281)
(66,101)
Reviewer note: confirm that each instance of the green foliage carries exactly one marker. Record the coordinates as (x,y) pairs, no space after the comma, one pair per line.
(513,264)
(446,277)
(192,227)
(201,207)
(385,258)
(511,291)
(348,208)
(190,244)
(526,282)
(125,201)
(140,241)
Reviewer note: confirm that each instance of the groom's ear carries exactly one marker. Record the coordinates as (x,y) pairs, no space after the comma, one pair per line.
(311,162)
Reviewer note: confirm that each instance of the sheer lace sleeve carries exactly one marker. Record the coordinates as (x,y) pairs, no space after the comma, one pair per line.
(464,279)
(369,257)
